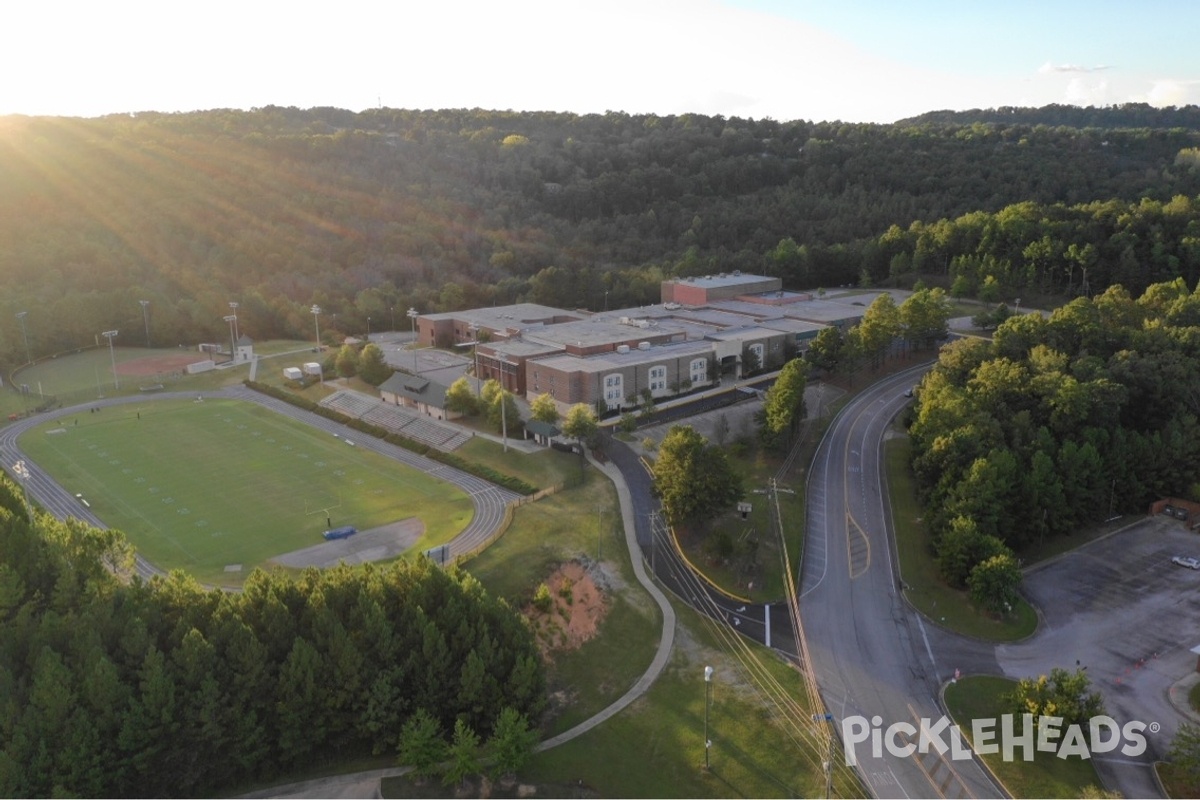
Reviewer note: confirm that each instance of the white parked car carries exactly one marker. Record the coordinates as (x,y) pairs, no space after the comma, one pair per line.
(1186,561)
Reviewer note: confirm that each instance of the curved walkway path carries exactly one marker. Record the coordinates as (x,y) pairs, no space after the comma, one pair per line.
(366,784)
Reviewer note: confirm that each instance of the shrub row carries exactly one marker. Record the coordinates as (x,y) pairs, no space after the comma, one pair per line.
(510,482)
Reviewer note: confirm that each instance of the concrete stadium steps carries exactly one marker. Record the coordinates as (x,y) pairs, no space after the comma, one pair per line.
(397,420)
(350,403)
(389,417)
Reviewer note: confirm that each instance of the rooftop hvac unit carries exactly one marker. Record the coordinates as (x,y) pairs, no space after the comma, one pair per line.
(643,345)
(622,348)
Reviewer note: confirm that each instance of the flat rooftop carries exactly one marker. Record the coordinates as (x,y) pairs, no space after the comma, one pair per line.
(614,360)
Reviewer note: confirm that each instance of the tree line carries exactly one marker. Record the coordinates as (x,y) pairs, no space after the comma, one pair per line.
(372,213)
(1058,422)
(112,686)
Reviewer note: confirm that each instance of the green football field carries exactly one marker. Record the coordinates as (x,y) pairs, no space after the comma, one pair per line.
(206,485)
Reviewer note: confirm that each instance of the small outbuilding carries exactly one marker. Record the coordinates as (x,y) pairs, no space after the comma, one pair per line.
(293,373)
(542,432)
(412,391)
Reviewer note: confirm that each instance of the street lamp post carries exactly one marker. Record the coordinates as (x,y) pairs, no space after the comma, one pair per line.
(110,335)
(412,315)
(708,673)
(231,319)
(25,336)
(146,320)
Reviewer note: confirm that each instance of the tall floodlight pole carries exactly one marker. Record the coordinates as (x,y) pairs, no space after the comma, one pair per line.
(146,320)
(368,328)
(110,335)
(236,333)
(708,673)
(316,312)
(25,336)
(412,315)
(393,310)
(231,318)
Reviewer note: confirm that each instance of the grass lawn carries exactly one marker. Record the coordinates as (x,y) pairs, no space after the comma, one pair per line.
(655,747)
(927,592)
(564,527)
(543,469)
(981,697)
(1177,782)
(200,486)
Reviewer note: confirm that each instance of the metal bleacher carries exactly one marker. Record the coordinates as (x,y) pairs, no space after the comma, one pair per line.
(397,420)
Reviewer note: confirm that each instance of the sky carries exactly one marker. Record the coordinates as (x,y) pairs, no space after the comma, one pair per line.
(850,60)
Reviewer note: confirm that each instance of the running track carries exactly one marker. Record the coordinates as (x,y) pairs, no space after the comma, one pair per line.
(489,500)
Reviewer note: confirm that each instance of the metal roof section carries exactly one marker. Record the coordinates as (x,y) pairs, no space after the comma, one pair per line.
(634,357)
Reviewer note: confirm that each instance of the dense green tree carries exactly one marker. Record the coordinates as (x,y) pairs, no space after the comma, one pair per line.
(693,478)
(994,582)
(463,755)
(460,397)
(347,361)
(511,744)
(371,366)
(421,745)
(783,406)
(580,423)
(1185,751)
(544,409)
(1060,694)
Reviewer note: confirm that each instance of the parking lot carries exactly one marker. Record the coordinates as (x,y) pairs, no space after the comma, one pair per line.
(1121,609)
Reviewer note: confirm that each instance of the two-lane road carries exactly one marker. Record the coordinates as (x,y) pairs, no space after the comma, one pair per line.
(870,652)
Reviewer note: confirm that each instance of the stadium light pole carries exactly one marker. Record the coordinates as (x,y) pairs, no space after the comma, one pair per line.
(708,673)
(316,312)
(368,328)
(393,310)
(412,315)
(146,320)
(231,319)
(236,333)
(110,335)
(25,336)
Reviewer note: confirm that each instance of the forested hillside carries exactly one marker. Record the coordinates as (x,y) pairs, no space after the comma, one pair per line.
(166,689)
(368,213)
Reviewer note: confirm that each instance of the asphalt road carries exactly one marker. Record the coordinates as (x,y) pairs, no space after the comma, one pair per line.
(870,652)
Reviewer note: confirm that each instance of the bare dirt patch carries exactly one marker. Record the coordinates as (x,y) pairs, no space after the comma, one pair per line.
(156,365)
(576,608)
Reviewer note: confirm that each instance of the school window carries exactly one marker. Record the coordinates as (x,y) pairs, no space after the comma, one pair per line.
(658,379)
(699,370)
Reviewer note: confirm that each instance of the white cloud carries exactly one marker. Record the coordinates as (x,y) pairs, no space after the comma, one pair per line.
(1173,93)
(1082,92)
(1048,68)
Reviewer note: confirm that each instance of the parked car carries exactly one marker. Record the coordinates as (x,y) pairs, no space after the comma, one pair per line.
(1186,561)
